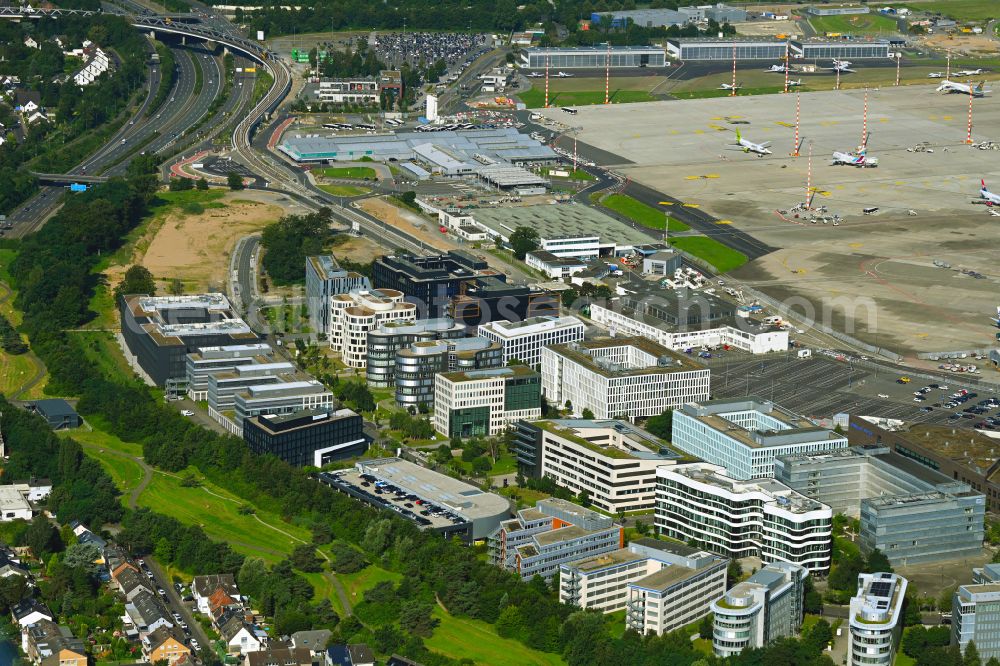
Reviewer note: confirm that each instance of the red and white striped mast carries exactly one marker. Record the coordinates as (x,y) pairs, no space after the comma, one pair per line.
(809,174)
(607,76)
(546,81)
(732,93)
(864,125)
(798,108)
(968,136)
(786,70)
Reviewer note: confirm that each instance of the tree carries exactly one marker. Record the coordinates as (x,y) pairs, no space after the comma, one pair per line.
(705,627)
(733,573)
(877,561)
(523,240)
(972,657)
(304,558)
(42,537)
(346,560)
(584,498)
(137,280)
(176,287)
(415,618)
(587,414)
(944,601)
(661,424)
(234,180)
(481,465)
(202,184)
(409,197)
(82,556)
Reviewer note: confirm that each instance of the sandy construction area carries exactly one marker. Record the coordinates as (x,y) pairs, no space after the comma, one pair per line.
(196,248)
(407,221)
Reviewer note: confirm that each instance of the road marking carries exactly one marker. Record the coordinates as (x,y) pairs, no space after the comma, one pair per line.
(690,205)
(856,245)
(723,221)
(667,203)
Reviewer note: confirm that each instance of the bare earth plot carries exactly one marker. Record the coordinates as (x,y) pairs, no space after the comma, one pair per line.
(882,263)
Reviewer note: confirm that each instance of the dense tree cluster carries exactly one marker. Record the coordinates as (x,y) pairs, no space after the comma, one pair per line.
(290,240)
(10,339)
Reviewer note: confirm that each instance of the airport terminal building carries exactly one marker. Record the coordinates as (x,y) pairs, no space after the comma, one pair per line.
(593,57)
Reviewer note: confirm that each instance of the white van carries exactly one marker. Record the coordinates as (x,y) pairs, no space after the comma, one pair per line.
(804,353)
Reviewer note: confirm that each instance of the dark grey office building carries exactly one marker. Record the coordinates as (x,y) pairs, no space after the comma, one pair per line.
(417,365)
(310,437)
(160,331)
(430,282)
(388,339)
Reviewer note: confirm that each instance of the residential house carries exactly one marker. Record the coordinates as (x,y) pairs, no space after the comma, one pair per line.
(203,587)
(131,583)
(279,656)
(221,605)
(314,640)
(147,614)
(396,660)
(49,644)
(165,644)
(240,636)
(10,564)
(355,654)
(30,611)
(31,43)
(27,101)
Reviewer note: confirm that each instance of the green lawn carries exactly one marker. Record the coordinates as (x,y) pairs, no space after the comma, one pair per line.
(857,24)
(461,638)
(722,258)
(15,370)
(124,472)
(904,660)
(535,98)
(346,172)
(101,348)
(323,589)
(525,496)
(615,622)
(642,214)
(960,10)
(355,584)
(344,190)
(715,92)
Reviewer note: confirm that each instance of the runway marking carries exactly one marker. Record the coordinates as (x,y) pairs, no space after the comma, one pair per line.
(883,120)
(667,203)
(838,187)
(699,131)
(945,117)
(690,205)
(856,245)
(673,131)
(783,123)
(636,136)
(718,128)
(932,117)
(702,177)
(717,118)
(899,182)
(723,221)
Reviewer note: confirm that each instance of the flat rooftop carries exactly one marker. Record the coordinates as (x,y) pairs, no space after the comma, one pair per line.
(629,441)
(792,428)
(667,577)
(530,325)
(606,560)
(11,499)
(579,353)
(489,373)
(562,220)
(776,492)
(457,496)
(960,445)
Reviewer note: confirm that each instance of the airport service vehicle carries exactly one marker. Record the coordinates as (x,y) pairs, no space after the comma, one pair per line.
(964,88)
(748,146)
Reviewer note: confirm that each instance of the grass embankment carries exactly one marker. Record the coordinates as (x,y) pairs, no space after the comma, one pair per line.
(346,172)
(960,10)
(461,638)
(262,83)
(15,369)
(579,174)
(855,24)
(642,214)
(722,258)
(535,98)
(344,190)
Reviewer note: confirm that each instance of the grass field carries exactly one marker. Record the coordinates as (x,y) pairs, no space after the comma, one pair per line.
(857,24)
(712,251)
(461,638)
(344,190)
(15,370)
(101,348)
(642,214)
(960,10)
(124,472)
(535,98)
(346,172)
(355,584)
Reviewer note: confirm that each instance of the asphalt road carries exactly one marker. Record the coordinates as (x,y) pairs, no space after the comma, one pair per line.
(174,604)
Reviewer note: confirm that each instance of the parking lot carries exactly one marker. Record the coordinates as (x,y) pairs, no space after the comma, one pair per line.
(395,48)
(824,386)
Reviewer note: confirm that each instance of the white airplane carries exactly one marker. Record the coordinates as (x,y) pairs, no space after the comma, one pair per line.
(778,68)
(936,75)
(563,75)
(963,88)
(994,212)
(535,75)
(730,86)
(990,198)
(970,72)
(748,146)
(794,83)
(841,66)
(858,158)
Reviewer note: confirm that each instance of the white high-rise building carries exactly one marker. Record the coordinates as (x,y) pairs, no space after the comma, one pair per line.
(620,377)
(432,108)
(524,340)
(745,435)
(876,620)
(358,311)
(766,606)
(763,518)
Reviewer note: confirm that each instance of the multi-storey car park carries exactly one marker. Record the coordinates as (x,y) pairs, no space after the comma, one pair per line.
(909,512)
(614,461)
(620,377)
(763,518)
(746,435)
(434,501)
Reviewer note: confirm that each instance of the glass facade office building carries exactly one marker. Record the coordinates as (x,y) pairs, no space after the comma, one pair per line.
(593,57)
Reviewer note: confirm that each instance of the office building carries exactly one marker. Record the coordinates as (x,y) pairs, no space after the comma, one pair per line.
(592,57)
(746,435)
(355,313)
(614,461)
(705,48)
(310,437)
(160,331)
(205,361)
(644,18)
(762,518)
(681,320)
(481,403)
(14,504)
(552,533)
(764,607)
(676,595)
(386,341)
(490,299)
(664,262)
(601,582)
(224,385)
(447,506)
(524,340)
(876,619)
(324,279)
(975,613)
(853,49)
(909,512)
(417,366)
(620,377)
(964,455)
(351,91)
(430,282)
(279,398)
(553,265)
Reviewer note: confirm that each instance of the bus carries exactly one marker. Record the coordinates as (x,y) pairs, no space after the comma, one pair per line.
(569,110)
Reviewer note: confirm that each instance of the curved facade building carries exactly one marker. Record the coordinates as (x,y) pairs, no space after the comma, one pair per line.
(354,314)
(386,341)
(876,619)
(416,366)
